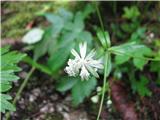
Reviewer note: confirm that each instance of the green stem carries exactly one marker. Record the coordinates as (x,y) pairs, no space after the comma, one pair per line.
(100,20)
(104,84)
(38,66)
(107,55)
(99,16)
(21,89)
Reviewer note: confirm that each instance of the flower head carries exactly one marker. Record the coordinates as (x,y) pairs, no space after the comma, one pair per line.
(83,64)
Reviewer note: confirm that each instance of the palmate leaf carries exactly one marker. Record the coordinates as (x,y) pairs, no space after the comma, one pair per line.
(131,50)
(66,83)
(58,59)
(82,89)
(8,66)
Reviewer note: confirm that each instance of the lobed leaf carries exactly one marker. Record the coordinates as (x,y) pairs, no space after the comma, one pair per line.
(82,89)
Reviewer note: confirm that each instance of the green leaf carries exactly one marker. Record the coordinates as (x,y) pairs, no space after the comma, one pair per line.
(50,36)
(66,83)
(141,86)
(155,66)
(139,63)
(8,66)
(82,89)
(5,105)
(88,10)
(78,23)
(131,13)
(5,87)
(120,59)
(49,40)
(126,51)
(138,34)
(85,36)
(92,71)
(65,14)
(108,64)
(56,21)
(67,38)
(104,38)
(127,48)
(8,76)
(11,58)
(58,59)
(4,49)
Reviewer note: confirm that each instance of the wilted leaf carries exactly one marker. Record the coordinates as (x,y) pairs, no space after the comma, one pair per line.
(33,36)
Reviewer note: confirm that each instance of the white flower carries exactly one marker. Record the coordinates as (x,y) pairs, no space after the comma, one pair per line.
(83,64)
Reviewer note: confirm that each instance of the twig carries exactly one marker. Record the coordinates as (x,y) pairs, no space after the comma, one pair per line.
(21,89)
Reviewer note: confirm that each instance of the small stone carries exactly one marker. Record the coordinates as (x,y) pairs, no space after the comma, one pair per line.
(44,109)
(95,99)
(32,98)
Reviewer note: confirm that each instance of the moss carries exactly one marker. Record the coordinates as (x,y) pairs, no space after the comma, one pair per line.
(16,16)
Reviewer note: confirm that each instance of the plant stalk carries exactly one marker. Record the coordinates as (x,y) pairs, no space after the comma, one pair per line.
(104,84)
(21,89)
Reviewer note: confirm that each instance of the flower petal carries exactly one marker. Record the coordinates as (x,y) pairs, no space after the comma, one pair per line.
(75,53)
(92,71)
(96,64)
(83,49)
(84,73)
(91,55)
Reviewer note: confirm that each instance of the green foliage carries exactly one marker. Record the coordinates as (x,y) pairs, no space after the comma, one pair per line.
(80,89)
(141,86)
(138,35)
(104,38)
(8,66)
(66,83)
(131,13)
(60,37)
(65,32)
(35,64)
(60,57)
(131,50)
(108,63)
